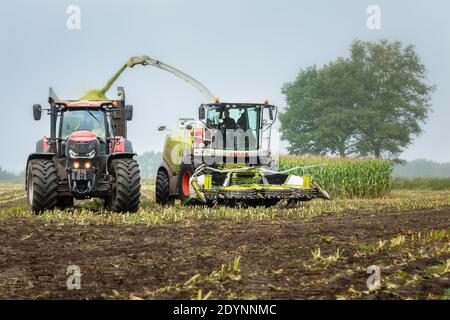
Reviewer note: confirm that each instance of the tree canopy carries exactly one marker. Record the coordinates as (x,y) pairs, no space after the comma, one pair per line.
(372,103)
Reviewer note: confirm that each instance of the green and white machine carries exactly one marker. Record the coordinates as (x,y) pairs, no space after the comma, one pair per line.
(225,155)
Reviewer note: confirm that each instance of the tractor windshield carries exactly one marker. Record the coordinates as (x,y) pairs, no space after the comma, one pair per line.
(84,119)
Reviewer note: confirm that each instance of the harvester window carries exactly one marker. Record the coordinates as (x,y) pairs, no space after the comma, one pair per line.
(239,125)
(213,118)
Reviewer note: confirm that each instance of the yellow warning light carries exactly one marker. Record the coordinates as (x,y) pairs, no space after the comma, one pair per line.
(216,99)
(266,100)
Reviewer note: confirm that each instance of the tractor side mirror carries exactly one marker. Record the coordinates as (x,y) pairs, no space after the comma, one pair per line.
(129,112)
(37,112)
(271,113)
(201,113)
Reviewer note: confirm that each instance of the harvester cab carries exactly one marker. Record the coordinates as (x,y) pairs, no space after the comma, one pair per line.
(225,157)
(234,133)
(86,155)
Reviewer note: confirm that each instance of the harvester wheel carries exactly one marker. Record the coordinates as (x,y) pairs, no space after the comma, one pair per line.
(186,172)
(42,185)
(162,192)
(126,186)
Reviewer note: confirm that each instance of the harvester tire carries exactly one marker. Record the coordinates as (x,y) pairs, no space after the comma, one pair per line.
(186,171)
(126,186)
(162,192)
(42,185)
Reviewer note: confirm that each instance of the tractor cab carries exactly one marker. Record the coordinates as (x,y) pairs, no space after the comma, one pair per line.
(71,120)
(84,122)
(85,129)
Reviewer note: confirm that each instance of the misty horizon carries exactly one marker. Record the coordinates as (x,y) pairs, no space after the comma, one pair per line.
(241,51)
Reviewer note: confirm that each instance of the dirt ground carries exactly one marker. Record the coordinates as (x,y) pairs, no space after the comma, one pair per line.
(220,259)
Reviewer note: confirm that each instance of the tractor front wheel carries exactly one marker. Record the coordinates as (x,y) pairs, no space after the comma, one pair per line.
(126,186)
(42,185)
(162,191)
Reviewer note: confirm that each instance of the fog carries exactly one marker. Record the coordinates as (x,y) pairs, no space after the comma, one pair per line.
(241,50)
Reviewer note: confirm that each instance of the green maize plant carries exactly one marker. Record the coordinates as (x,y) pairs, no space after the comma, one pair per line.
(345,177)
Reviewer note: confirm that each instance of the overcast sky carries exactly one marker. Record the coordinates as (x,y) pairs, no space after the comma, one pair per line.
(242,50)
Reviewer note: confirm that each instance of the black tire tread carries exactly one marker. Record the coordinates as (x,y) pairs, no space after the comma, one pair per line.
(44,177)
(162,192)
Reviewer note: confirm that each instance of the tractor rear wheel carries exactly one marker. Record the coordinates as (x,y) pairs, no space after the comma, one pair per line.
(126,186)
(42,185)
(162,192)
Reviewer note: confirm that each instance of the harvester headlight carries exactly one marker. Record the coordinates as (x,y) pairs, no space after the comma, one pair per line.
(76,165)
(88,165)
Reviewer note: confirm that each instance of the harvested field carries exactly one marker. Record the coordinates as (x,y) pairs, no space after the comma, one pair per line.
(313,252)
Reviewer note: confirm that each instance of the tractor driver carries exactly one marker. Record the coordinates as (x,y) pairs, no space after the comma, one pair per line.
(92,124)
(72,123)
(243,120)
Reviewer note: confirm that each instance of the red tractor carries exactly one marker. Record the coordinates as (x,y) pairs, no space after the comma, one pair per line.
(87,155)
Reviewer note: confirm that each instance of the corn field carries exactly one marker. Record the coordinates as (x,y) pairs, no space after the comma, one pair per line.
(345,177)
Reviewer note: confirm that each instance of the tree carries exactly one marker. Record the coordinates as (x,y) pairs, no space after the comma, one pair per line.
(397,98)
(322,107)
(371,103)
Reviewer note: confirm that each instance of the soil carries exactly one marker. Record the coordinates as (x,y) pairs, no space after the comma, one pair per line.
(155,262)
